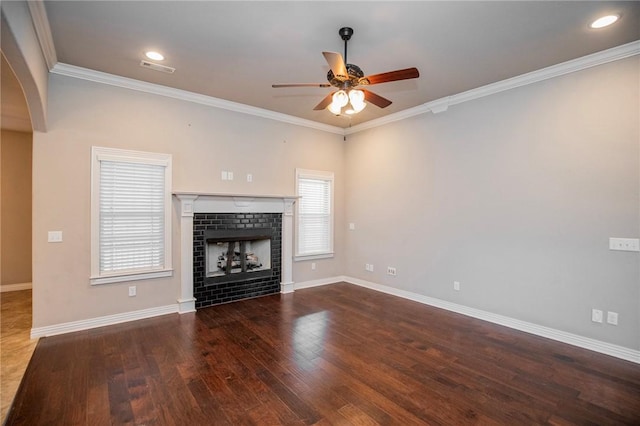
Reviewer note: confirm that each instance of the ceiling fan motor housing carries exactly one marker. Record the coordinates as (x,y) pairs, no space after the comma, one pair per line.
(355,76)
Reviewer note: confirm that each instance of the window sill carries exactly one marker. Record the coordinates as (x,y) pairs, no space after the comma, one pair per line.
(301,257)
(109,279)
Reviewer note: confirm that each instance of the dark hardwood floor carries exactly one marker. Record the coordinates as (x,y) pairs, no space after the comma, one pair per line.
(336,354)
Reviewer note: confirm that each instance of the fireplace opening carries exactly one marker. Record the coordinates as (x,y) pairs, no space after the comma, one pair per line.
(252,238)
(234,255)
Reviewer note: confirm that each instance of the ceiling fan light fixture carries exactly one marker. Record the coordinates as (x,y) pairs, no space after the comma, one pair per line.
(604,21)
(358,106)
(335,109)
(340,98)
(356,96)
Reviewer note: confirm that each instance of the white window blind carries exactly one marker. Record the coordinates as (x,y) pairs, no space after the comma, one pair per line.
(315,213)
(130,214)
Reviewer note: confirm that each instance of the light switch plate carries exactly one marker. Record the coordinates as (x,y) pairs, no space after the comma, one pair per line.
(55,237)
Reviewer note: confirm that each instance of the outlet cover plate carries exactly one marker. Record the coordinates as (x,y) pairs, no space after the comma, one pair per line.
(596,315)
(624,244)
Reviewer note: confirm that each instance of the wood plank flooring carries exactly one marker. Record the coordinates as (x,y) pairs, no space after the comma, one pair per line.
(16,346)
(337,354)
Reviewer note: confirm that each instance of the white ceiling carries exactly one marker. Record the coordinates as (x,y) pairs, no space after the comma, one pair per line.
(235,50)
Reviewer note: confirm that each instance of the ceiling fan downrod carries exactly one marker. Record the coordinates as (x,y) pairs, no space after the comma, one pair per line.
(345,34)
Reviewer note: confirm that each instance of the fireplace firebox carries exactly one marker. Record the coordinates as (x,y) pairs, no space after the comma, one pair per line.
(233,255)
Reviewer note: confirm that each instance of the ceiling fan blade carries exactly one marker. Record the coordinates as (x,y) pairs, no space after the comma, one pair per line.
(277,86)
(377,100)
(325,102)
(336,63)
(386,77)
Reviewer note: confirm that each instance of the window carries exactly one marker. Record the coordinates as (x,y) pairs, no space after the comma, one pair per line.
(314,216)
(130,215)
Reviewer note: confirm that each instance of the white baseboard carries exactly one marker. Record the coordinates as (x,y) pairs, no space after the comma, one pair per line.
(317,283)
(550,333)
(15,287)
(69,327)
(538,330)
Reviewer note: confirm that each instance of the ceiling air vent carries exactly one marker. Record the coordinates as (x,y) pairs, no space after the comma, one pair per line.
(156,67)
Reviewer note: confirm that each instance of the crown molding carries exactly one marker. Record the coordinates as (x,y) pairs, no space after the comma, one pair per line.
(436,106)
(156,89)
(43,31)
(442,104)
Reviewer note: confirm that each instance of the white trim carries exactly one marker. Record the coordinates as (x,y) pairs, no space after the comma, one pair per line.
(186,305)
(319,282)
(99,154)
(70,327)
(43,31)
(440,105)
(15,287)
(550,333)
(156,89)
(436,106)
(324,176)
(122,277)
(287,287)
(303,257)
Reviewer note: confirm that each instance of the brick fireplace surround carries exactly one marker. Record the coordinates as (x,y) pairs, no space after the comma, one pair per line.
(192,203)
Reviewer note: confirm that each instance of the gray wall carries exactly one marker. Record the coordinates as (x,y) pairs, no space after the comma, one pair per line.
(513,195)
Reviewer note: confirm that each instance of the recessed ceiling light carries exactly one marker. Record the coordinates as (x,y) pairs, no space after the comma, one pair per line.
(154,55)
(604,21)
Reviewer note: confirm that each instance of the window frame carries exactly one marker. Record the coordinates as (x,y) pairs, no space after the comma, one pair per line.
(320,175)
(99,154)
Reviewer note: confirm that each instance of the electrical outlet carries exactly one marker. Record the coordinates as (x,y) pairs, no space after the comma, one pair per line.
(132,290)
(352,226)
(624,244)
(224,175)
(249,177)
(456,285)
(612,318)
(368,267)
(230,175)
(313,266)
(391,271)
(596,315)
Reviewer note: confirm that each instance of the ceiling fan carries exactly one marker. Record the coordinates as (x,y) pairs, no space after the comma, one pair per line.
(346,77)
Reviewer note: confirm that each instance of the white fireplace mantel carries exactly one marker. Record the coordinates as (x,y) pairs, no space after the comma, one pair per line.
(197,202)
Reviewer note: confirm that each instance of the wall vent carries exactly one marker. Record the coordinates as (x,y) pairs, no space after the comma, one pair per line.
(157,67)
